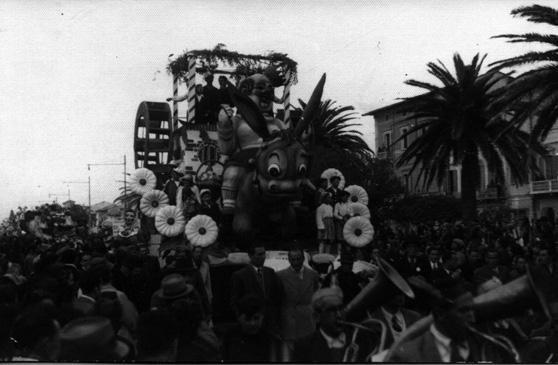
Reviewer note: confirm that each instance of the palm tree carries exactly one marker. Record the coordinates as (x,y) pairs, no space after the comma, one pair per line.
(460,120)
(336,142)
(534,94)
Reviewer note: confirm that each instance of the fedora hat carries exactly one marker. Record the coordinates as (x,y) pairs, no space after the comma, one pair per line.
(174,286)
(91,339)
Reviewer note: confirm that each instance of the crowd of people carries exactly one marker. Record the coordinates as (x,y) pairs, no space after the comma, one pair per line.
(67,294)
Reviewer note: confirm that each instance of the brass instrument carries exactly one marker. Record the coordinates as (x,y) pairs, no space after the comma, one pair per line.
(386,283)
(352,350)
(502,302)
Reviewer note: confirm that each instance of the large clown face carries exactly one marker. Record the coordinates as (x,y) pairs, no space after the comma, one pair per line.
(261,93)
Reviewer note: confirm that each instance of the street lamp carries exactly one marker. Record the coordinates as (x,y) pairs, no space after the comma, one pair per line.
(109,164)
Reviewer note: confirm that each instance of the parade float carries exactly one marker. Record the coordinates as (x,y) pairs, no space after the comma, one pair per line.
(253,154)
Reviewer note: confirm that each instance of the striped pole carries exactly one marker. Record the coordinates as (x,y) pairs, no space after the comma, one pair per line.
(175,83)
(191,78)
(287,100)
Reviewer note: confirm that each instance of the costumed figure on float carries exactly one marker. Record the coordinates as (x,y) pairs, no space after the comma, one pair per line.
(268,162)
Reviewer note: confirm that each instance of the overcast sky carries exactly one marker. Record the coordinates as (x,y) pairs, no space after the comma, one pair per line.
(74,72)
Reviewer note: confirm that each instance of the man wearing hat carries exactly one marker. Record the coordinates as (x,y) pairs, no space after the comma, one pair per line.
(334,189)
(92,339)
(328,343)
(188,196)
(451,337)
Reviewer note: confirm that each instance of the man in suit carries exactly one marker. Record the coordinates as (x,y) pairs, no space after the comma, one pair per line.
(90,288)
(329,341)
(396,318)
(491,269)
(449,338)
(261,281)
(546,270)
(432,267)
(299,284)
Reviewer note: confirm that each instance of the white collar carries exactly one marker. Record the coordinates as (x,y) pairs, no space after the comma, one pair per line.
(335,343)
(443,345)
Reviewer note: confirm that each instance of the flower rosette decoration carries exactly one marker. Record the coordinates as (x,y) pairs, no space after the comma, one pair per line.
(169,221)
(331,172)
(357,194)
(143,180)
(153,201)
(358,232)
(360,210)
(201,231)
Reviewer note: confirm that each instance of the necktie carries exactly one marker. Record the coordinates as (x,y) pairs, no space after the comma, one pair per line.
(455,355)
(261,279)
(395,324)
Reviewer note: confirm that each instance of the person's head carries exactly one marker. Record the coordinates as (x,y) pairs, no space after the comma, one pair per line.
(543,257)
(257,255)
(520,264)
(345,196)
(453,318)
(327,304)
(205,196)
(296,258)
(129,216)
(222,82)
(434,254)
(108,306)
(322,183)
(209,79)
(36,333)
(327,198)
(474,257)
(199,89)
(335,180)
(492,258)
(250,313)
(157,335)
(197,254)
(89,283)
(92,339)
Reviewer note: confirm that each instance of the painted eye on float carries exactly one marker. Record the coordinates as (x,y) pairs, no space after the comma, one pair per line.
(274,170)
(302,169)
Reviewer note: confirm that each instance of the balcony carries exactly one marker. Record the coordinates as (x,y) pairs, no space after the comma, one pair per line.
(544,186)
(488,194)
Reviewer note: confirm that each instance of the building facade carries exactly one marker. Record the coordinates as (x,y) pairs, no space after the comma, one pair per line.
(537,198)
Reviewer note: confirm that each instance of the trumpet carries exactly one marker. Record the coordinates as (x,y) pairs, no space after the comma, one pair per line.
(352,350)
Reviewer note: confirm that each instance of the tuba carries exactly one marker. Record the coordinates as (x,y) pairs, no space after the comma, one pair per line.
(502,302)
(387,283)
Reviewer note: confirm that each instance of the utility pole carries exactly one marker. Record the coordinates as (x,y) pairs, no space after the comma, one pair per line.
(88,182)
(110,164)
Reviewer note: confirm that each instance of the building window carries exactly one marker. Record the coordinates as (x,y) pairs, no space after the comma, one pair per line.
(387,140)
(405,139)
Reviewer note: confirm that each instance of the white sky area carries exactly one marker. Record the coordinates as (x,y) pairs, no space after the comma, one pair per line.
(74,72)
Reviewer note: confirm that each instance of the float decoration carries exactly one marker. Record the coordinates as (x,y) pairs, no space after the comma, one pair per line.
(358,232)
(357,194)
(152,201)
(331,172)
(201,231)
(170,221)
(360,210)
(143,181)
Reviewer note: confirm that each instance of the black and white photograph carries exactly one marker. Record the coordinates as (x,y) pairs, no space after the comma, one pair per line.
(297,181)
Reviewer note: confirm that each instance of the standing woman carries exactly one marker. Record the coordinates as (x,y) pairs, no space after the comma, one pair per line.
(325,225)
(341,213)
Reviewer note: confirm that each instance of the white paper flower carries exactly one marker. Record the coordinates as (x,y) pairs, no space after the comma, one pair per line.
(329,173)
(201,230)
(170,221)
(358,194)
(152,201)
(143,181)
(358,232)
(360,210)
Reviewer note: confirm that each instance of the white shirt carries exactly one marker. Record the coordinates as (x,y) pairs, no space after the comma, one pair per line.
(335,343)
(323,211)
(388,316)
(443,345)
(341,210)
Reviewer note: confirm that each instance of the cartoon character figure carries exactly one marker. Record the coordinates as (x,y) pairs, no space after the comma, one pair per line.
(268,163)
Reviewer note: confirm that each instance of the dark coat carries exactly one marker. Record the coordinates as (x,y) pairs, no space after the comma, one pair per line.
(244,348)
(486,273)
(245,281)
(84,305)
(422,349)
(313,348)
